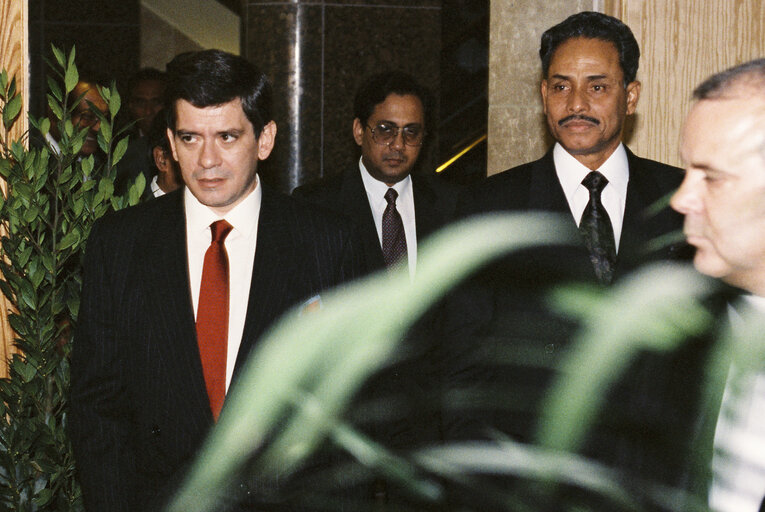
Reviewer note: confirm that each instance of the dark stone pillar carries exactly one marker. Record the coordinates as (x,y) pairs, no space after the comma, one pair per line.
(317,53)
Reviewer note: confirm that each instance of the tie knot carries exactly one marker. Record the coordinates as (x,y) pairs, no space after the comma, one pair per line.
(391,196)
(220,230)
(595,182)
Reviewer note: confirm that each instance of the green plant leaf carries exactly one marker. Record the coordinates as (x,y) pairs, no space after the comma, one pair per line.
(55,107)
(106,132)
(11,111)
(58,54)
(119,150)
(69,239)
(71,77)
(45,126)
(115,102)
(55,89)
(24,369)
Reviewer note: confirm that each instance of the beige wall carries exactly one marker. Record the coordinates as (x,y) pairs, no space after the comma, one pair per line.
(14,50)
(517,131)
(714,35)
(681,42)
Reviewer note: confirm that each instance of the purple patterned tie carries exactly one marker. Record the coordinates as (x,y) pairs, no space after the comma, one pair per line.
(596,229)
(393,237)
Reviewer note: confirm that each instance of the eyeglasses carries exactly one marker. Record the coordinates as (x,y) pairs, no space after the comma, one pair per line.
(385,133)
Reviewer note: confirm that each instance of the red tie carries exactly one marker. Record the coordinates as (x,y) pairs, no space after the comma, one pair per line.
(212,316)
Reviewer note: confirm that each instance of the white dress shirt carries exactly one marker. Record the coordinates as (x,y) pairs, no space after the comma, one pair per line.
(240,247)
(404,204)
(571,173)
(154,185)
(738,461)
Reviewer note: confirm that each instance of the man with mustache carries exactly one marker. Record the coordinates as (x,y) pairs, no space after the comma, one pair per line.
(602,192)
(393,207)
(589,87)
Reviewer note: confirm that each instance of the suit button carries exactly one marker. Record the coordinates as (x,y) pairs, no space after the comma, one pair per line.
(549,348)
(155,430)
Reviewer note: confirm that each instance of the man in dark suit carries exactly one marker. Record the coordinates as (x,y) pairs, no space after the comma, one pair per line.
(605,194)
(162,330)
(391,112)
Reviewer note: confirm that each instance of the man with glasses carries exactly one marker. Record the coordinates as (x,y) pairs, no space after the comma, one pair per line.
(393,208)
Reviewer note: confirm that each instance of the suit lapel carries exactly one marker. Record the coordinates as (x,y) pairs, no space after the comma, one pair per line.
(426,215)
(169,297)
(275,252)
(545,189)
(639,227)
(355,205)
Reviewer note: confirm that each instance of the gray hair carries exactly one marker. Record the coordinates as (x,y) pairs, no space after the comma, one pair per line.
(749,74)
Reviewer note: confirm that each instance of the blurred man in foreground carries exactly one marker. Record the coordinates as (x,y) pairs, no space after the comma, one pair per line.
(723,200)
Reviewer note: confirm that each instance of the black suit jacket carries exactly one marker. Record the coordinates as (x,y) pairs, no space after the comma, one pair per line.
(503,340)
(535,187)
(139,409)
(396,407)
(434,204)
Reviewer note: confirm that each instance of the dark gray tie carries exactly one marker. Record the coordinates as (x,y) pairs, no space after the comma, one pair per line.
(596,229)
(393,237)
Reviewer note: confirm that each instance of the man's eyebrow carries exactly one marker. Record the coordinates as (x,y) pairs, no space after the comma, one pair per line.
(181,132)
(561,77)
(592,78)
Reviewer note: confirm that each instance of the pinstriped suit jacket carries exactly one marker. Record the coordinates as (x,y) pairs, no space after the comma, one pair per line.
(139,409)
(434,203)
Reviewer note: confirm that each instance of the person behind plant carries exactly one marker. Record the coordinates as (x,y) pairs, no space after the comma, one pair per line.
(501,331)
(146,98)
(162,331)
(723,200)
(84,115)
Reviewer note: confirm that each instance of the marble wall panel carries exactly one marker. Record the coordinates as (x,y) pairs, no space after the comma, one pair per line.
(517,129)
(316,53)
(284,40)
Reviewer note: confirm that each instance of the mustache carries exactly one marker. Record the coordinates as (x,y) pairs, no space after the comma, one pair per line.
(581,117)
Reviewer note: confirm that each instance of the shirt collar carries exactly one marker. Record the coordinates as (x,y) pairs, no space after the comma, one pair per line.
(243,217)
(376,189)
(571,171)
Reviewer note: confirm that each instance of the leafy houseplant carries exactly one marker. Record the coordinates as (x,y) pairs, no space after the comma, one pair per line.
(51,200)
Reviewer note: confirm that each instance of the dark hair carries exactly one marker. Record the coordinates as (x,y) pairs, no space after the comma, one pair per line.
(719,83)
(213,77)
(377,87)
(593,25)
(145,75)
(157,138)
